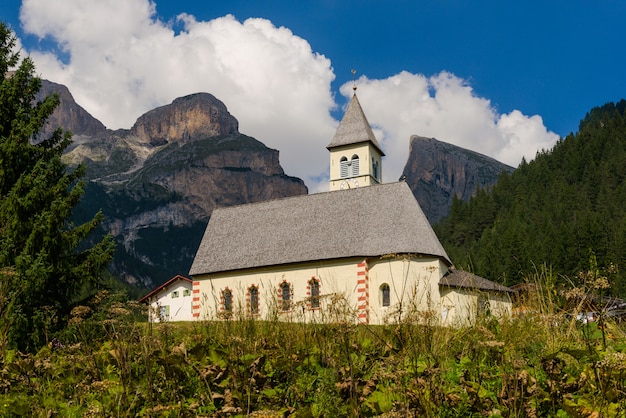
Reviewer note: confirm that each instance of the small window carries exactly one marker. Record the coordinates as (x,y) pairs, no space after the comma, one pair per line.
(164,312)
(314,286)
(375,169)
(187,292)
(285,296)
(344,168)
(253,292)
(228,300)
(175,294)
(355,165)
(385,294)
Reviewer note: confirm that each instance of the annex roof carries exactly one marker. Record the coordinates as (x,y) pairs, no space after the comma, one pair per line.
(363,222)
(354,128)
(464,279)
(165,286)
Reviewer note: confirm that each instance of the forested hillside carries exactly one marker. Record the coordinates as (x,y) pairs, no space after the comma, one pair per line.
(565,210)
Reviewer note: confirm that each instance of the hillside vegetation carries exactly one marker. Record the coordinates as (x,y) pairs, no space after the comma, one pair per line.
(566,210)
(107,363)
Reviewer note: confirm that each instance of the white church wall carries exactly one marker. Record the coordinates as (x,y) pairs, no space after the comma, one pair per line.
(412,280)
(413,285)
(337,297)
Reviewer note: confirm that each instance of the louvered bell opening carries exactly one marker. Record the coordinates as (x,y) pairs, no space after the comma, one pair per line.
(355,165)
(344,168)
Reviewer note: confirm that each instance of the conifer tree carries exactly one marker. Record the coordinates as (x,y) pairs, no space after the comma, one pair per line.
(45,261)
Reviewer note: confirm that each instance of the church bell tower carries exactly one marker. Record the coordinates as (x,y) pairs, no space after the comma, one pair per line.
(355,155)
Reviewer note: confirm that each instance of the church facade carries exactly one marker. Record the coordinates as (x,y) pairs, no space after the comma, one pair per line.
(362,252)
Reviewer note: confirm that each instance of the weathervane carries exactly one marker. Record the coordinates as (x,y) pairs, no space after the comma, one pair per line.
(354,80)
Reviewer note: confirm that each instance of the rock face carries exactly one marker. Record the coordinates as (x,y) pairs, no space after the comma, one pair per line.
(158,182)
(437,171)
(188,118)
(68,115)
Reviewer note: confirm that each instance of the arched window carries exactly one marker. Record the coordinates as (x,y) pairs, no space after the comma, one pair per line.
(227,296)
(385,294)
(355,165)
(314,290)
(285,296)
(343,167)
(253,293)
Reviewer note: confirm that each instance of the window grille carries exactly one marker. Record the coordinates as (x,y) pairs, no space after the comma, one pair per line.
(228,300)
(314,286)
(285,293)
(254,300)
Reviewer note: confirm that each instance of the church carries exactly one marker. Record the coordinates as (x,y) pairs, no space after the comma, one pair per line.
(362,252)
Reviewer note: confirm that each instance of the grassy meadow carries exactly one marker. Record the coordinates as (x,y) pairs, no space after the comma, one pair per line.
(111,363)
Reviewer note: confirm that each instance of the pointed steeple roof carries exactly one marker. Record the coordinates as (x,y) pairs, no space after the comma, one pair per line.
(354,128)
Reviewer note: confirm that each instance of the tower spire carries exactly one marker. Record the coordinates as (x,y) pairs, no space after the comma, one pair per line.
(355,155)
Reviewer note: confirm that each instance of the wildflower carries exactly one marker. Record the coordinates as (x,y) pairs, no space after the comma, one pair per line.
(56,344)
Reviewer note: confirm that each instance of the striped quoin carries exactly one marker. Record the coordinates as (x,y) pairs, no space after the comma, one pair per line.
(195,306)
(363,293)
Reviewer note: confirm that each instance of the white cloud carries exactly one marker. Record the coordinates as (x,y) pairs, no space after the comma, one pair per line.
(523,136)
(119,61)
(445,107)
(122,62)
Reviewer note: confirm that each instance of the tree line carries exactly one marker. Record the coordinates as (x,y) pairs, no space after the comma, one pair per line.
(565,210)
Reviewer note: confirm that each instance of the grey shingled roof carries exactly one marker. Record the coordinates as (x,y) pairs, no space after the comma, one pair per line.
(354,128)
(460,278)
(364,222)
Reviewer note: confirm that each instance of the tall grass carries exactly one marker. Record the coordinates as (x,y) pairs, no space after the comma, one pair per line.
(541,362)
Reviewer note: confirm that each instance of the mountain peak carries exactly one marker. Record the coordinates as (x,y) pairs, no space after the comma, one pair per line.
(68,115)
(188,118)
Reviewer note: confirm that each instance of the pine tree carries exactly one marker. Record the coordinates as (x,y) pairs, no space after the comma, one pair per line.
(45,261)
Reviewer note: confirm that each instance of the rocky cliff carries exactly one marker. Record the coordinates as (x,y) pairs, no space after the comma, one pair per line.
(69,115)
(188,118)
(437,171)
(158,182)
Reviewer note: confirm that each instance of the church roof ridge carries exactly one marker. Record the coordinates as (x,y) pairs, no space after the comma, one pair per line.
(354,128)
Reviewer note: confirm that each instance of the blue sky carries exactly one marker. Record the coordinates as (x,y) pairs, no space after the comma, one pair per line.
(502,78)
(553,58)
